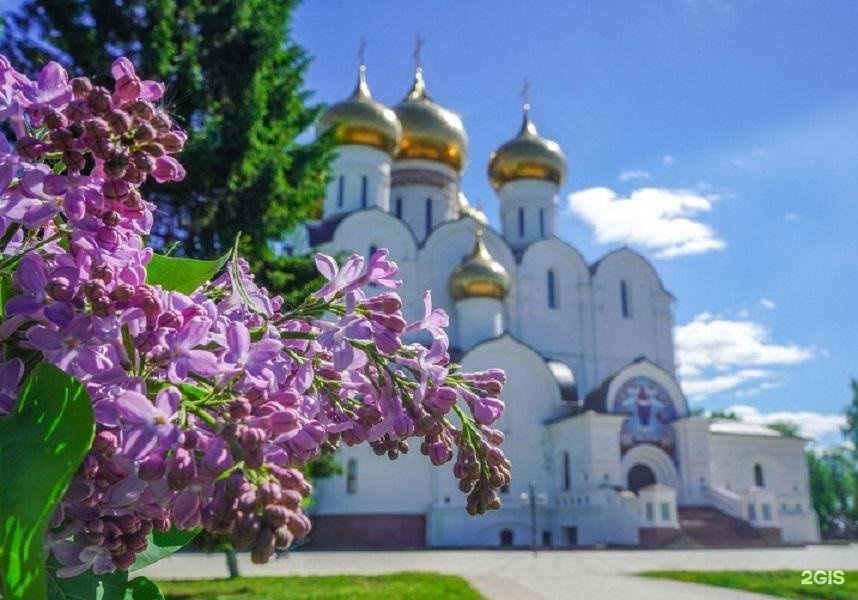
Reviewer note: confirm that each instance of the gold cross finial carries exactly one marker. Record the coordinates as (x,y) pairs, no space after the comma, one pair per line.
(418,51)
(525,95)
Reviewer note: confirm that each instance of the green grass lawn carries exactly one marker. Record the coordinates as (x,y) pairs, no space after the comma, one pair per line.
(786,584)
(411,586)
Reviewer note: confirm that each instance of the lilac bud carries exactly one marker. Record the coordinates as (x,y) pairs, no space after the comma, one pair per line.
(81,86)
(105,442)
(74,160)
(30,148)
(60,289)
(269,493)
(152,467)
(99,100)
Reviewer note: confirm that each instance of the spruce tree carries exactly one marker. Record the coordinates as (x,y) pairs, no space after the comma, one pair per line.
(235,82)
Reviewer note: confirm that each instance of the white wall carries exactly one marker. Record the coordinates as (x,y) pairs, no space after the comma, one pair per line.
(445,200)
(532,196)
(352,163)
(647,331)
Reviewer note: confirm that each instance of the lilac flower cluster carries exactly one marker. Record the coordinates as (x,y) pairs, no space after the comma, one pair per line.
(207,405)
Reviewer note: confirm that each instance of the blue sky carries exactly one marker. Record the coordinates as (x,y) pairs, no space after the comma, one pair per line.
(739,121)
(718,138)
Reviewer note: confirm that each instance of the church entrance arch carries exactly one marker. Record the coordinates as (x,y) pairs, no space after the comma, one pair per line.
(639,477)
(646,464)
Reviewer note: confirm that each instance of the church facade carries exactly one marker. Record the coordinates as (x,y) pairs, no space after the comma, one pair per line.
(603,446)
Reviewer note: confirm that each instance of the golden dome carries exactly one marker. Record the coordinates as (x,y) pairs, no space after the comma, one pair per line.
(527,156)
(479,275)
(361,120)
(430,131)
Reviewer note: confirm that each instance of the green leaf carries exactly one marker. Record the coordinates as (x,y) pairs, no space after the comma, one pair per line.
(142,588)
(183,275)
(88,586)
(161,544)
(41,445)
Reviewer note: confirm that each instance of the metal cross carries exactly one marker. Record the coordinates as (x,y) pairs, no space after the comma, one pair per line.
(361,53)
(525,94)
(418,50)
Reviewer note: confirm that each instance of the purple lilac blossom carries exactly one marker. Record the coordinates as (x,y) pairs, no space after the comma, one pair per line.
(207,405)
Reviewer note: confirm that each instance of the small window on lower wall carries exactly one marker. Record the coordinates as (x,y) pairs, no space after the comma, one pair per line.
(767,512)
(650,512)
(752,512)
(665,511)
(351,476)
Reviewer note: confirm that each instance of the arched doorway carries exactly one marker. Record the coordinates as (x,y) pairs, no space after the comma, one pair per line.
(506,538)
(640,476)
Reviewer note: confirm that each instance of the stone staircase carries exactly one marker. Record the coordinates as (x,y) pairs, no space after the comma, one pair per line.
(706,527)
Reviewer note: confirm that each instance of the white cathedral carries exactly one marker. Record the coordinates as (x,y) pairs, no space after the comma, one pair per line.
(597,427)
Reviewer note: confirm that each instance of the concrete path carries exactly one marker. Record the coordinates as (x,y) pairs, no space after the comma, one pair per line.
(518,575)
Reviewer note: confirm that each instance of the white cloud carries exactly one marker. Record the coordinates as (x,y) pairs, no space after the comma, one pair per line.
(810,424)
(767,303)
(655,218)
(791,216)
(634,174)
(718,355)
(667,160)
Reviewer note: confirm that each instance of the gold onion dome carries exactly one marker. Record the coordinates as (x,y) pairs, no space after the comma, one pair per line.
(479,275)
(527,156)
(361,120)
(430,131)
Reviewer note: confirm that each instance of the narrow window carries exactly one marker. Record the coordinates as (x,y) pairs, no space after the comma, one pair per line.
(372,250)
(625,305)
(767,512)
(541,222)
(351,476)
(521,222)
(567,472)
(552,292)
(752,512)
(363,191)
(665,511)
(398,208)
(341,184)
(650,512)
(428,216)
(759,480)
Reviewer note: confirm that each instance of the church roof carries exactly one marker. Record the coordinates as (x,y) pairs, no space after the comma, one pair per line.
(565,380)
(735,427)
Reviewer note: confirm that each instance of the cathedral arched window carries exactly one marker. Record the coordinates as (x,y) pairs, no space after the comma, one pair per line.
(567,471)
(363,191)
(521,222)
(428,216)
(552,291)
(341,189)
(397,208)
(759,479)
(541,222)
(351,476)
(625,300)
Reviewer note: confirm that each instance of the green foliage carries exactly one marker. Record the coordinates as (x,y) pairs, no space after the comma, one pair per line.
(720,414)
(162,544)
(850,430)
(784,584)
(396,586)
(234,81)
(785,428)
(182,274)
(111,586)
(834,491)
(41,445)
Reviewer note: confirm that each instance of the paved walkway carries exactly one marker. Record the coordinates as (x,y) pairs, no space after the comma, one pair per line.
(518,575)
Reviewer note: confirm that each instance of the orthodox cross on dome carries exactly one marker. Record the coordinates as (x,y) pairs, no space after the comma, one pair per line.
(417,54)
(525,95)
(361,54)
